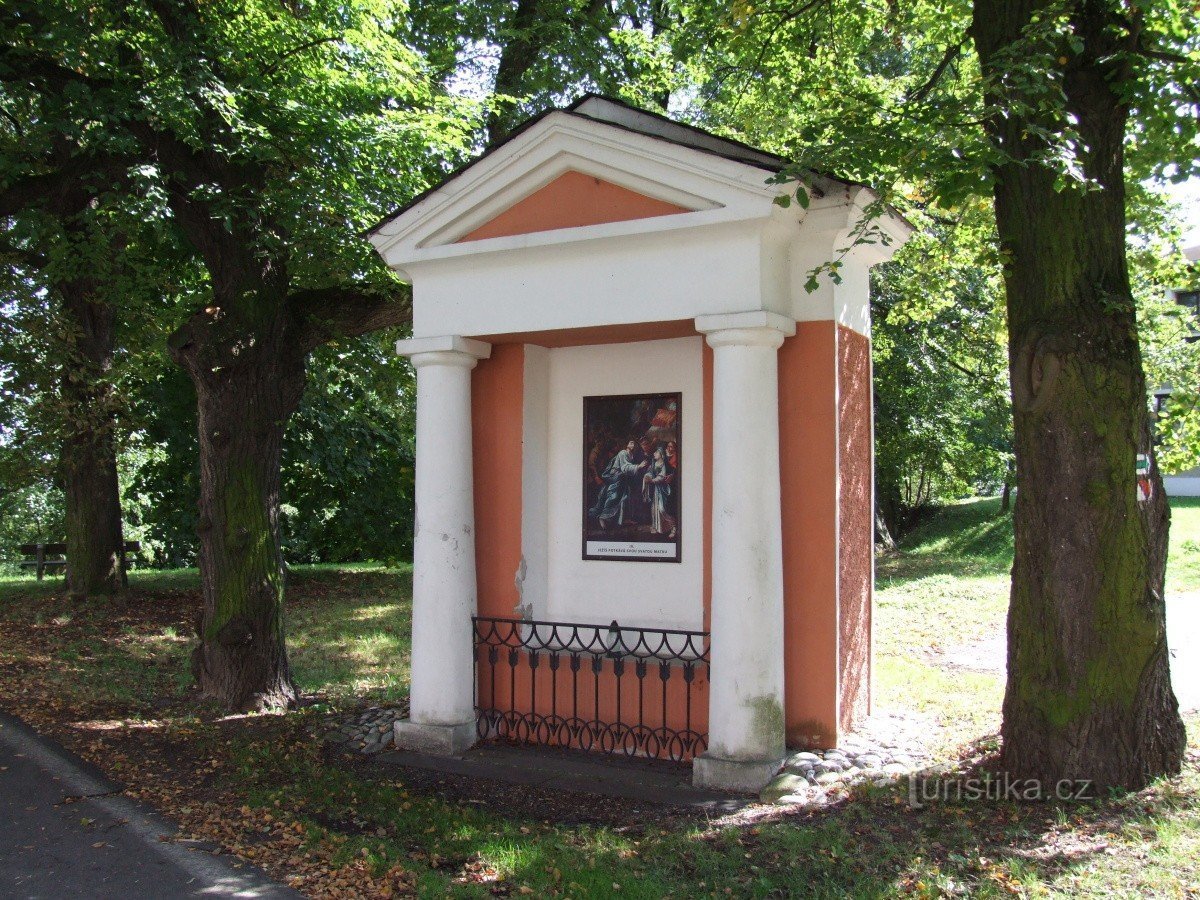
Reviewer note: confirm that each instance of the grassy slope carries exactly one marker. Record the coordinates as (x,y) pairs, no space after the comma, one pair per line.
(282,803)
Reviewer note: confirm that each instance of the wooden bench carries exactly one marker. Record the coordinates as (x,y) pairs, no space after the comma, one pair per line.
(54,556)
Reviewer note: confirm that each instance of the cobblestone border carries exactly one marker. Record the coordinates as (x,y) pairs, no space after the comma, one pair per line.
(885,748)
(368,733)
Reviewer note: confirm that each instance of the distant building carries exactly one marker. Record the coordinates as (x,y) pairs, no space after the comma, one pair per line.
(1185,484)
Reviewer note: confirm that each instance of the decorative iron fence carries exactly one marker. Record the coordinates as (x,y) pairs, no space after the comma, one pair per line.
(620,690)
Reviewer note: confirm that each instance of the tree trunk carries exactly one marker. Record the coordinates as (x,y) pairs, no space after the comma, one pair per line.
(249,375)
(95,543)
(1089,693)
(519,51)
(884,541)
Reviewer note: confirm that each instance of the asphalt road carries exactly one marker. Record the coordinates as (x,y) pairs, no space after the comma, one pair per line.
(66,831)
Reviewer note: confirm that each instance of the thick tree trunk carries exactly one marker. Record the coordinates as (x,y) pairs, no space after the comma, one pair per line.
(249,376)
(1089,693)
(95,543)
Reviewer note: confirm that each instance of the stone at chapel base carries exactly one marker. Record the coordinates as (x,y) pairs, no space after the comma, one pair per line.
(783,785)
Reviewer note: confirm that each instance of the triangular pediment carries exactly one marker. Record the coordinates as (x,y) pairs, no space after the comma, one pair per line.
(573,200)
(568,177)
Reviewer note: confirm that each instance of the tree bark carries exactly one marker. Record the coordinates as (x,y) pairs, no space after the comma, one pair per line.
(95,543)
(519,51)
(1089,693)
(884,541)
(87,455)
(248,368)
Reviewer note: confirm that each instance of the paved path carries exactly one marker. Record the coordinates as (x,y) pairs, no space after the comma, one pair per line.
(1183,638)
(66,831)
(1183,642)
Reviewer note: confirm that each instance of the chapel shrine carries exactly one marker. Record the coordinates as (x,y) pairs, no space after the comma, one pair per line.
(644,499)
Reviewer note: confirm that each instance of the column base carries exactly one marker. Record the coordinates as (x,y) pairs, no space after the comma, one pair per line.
(436,740)
(748,775)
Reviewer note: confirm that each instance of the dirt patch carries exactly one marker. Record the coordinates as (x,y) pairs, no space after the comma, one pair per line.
(987,655)
(526,803)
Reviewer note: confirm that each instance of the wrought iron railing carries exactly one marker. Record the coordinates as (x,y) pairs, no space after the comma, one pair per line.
(615,689)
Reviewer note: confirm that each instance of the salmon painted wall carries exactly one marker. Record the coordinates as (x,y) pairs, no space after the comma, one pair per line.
(497,386)
(572,200)
(584,696)
(808,479)
(827,521)
(855,525)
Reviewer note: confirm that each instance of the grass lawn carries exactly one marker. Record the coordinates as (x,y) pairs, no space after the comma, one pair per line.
(946,589)
(109,679)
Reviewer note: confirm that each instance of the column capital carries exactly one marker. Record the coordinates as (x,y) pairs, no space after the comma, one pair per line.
(756,328)
(444,350)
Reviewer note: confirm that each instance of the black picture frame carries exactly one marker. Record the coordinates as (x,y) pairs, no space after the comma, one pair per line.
(632,484)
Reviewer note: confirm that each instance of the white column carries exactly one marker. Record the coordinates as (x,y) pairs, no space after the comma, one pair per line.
(441,695)
(746,711)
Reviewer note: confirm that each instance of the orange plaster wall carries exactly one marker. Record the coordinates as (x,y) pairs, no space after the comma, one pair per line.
(857,540)
(808,482)
(570,201)
(585,695)
(497,390)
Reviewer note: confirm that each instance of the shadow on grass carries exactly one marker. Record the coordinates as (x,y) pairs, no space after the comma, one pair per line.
(348,636)
(349,631)
(872,844)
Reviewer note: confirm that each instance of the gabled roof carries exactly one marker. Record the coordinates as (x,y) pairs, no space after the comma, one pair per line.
(647,174)
(618,114)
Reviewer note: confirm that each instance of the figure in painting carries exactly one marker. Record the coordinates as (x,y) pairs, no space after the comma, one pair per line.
(618,477)
(631,477)
(656,491)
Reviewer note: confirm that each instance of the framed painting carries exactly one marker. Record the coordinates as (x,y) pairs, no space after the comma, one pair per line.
(632,485)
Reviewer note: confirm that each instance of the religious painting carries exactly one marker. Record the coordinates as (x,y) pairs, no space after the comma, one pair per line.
(631,477)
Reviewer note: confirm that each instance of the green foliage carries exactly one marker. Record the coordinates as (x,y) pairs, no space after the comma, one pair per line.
(161,467)
(892,95)
(542,52)
(30,513)
(312,121)
(1170,353)
(943,428)
(216,136)
(346,484)
(348,458)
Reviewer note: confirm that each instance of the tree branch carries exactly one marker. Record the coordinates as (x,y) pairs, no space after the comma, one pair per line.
(1164,56)
(328,313)
(28,258)
(64,190)
(951,54)
(286,54)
